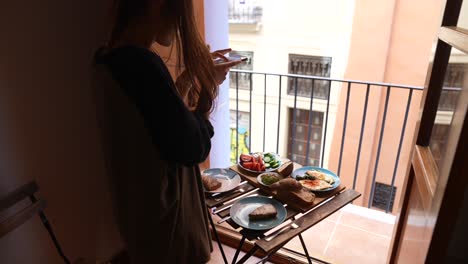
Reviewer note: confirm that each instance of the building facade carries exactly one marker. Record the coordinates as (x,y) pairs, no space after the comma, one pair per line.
(355,40)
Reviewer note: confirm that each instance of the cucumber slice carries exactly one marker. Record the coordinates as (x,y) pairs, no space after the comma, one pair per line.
(267,165)
(267,159)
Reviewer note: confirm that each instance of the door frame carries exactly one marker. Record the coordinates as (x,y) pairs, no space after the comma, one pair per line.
(450,189)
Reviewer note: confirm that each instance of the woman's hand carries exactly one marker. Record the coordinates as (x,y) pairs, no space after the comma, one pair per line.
(222,68)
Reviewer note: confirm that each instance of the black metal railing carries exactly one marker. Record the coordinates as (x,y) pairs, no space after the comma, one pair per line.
(265,87)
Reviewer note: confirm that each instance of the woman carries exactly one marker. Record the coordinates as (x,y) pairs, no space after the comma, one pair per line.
(156,132)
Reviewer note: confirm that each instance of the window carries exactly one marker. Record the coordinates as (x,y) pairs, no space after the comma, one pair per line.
(310,66)
(245,11)
(382,194)
(242,136)
(438,140)
(452,84)
(297,146)
(244,78)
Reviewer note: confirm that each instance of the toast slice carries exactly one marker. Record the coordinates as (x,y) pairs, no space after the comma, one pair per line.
(301,198)
(266,211)
(210,183)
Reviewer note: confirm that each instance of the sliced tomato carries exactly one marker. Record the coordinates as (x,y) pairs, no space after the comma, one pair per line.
(260,160)
(245,157)
(248,165)
(259,167)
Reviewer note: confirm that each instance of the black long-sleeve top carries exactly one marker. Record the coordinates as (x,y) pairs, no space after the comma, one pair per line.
(180,135)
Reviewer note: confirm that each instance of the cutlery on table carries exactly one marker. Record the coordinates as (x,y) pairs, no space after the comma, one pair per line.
(216,194)
(237,198)
(284,229)
(241,190)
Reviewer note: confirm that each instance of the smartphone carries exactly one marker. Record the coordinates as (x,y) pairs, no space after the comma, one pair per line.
(231,58)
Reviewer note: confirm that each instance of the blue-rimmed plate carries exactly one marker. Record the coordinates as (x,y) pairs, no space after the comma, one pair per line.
(302,172)
(229,179)
(241,209)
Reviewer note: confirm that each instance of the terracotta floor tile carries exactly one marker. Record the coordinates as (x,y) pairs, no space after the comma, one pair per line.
(350,245)
(316,239)
(334,217)
(362,222)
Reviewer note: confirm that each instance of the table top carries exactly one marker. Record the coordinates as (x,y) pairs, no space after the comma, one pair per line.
(323,206)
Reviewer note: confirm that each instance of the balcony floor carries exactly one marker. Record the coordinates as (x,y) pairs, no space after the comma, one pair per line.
(352,235)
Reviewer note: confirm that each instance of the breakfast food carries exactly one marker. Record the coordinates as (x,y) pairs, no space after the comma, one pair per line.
(288,184)
(260,161)
(286,169)
(210,183)
(301,198)
(291,191)
(269,178)
(315,185)
(316,175)
(266,211)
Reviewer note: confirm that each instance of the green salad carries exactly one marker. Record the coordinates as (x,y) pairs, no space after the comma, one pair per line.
(269,179)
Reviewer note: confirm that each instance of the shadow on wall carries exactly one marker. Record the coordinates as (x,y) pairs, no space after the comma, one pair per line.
(48,129)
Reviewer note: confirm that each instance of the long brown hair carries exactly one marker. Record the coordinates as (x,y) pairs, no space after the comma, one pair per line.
(192,53)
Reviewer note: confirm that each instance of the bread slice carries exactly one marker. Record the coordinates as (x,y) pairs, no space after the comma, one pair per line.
(287,184)
(266,211)
(301,198)
(210,183)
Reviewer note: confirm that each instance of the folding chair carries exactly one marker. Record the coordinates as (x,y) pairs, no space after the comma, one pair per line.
(37,206)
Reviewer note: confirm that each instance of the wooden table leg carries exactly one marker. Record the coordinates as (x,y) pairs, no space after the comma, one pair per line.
(264,259)
(239,248)
(217,238)
(305,249)
(248,255)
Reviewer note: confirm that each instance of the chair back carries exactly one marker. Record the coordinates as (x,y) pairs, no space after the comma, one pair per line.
(36,207)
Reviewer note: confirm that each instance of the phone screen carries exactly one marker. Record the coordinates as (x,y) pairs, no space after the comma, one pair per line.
(231,58)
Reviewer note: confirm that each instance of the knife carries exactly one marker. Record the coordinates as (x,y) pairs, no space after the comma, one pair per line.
(216,194)
(231,202)
(284,227)
(288,224)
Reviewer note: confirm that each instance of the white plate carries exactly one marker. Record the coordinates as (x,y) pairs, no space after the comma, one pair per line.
(229,179)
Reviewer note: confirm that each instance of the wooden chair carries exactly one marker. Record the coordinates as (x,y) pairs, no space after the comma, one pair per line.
(36,207)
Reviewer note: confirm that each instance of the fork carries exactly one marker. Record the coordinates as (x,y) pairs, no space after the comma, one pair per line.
(241,190)
(291,226)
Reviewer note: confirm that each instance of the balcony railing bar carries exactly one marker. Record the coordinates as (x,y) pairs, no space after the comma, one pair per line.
(331,79)
(264,110)
(237,114)
(400,144)
(345,122)
(250,112)
(279,116)
(379,148)
(451,89)
(363,125)
(306,139)
(309,122)
(294,115)
(326,126)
